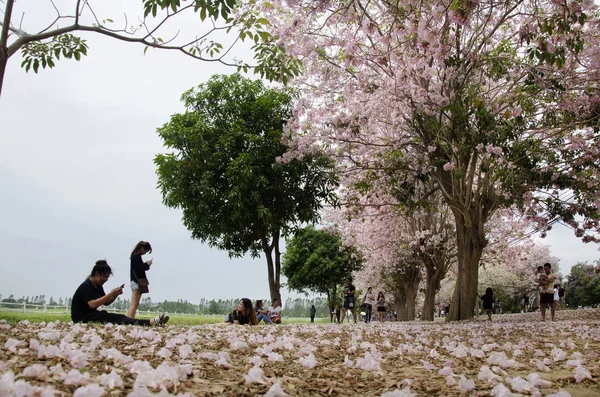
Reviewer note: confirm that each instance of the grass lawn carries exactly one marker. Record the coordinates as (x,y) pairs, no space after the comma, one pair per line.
(175,319)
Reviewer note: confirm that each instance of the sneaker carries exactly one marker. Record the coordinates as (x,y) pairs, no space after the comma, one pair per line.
(160,319)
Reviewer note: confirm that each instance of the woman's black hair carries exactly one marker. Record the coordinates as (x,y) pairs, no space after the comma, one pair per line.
(489,291)
(259,303)
(380,294)
(249,311)
(138,247)
(101,267)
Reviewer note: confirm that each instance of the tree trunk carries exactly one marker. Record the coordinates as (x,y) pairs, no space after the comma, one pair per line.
(272,269)
(410,299)
(4,40)
(433,278)
(470,243)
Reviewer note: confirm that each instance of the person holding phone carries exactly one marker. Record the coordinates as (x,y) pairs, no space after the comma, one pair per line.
(139,282)
(90,296)
(349,300)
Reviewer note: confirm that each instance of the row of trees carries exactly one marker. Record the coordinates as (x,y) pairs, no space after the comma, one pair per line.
(448,132)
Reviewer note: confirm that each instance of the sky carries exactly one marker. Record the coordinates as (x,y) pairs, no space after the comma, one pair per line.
(78,182)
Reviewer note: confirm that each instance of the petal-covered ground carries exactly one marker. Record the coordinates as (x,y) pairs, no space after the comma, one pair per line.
(515,355)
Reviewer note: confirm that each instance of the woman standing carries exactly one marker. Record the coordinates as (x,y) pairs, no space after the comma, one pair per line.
(139,283)
(368,302)
(380,307)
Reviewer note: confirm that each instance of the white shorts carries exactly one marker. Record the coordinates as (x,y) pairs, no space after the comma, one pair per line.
(134,285)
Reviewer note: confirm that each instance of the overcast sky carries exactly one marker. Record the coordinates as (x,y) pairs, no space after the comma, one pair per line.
(78,182)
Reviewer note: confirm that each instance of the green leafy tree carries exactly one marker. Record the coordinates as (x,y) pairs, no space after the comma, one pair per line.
(42,48)
(224,173)
(583,286)
(318,261)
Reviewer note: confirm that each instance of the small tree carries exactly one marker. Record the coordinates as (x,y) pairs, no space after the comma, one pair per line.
(224,173)
(317,261)
(583,286)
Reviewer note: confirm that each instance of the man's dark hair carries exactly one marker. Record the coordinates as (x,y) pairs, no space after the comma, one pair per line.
(101,267)
(548,265)
(349,279)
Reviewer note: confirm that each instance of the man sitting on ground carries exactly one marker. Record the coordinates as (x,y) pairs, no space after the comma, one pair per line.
(90,296)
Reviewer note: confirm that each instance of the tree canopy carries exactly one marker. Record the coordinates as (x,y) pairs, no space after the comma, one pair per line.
(224,175)
(318,261)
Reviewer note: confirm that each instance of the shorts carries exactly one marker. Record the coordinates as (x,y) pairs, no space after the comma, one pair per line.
(134,285)
(547,299)
(349,305)
(380,309)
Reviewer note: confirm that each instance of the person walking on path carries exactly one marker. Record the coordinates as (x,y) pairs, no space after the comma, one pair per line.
(380,307)
(313,311)
(488,302)
(138,281)
(349,300)
(90,296)
(368,301)
(547,291)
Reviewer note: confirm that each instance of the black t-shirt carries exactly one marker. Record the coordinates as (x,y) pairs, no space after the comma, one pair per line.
(349,298)
(237,315)
(561,292)
(488,301)
(85,293)
(138,267)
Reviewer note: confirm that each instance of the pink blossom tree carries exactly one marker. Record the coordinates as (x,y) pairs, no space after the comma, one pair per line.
(492,104)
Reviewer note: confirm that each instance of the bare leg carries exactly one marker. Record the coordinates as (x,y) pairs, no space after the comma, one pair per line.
(343,315)
(136,295)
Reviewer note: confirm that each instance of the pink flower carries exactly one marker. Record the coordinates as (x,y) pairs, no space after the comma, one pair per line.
(276,391)
(448,166)
(308,361)
(93,390)
(255,375)
(465,384)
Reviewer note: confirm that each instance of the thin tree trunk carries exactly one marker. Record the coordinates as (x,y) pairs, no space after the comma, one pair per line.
(433,277)
(273,284)
(4,41)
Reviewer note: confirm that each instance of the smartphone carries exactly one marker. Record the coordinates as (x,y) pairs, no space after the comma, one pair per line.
(122,286)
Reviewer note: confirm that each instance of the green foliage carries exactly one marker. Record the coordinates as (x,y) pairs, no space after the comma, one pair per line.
(317,261)
(583,286)
(44,53)
(223,171)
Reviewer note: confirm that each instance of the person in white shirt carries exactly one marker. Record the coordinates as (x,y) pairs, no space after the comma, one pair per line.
(556,298)
(275,312)
(368,300)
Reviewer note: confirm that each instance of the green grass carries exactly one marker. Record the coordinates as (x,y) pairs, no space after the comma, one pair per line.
(175,319)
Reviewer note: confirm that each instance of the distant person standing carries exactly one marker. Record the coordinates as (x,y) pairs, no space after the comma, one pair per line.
(526,303)
(488,302)
(368,301)
(380,307)
(561,297)
(138,281)
(547,291)
(313,311)
(349,300)
(556,298)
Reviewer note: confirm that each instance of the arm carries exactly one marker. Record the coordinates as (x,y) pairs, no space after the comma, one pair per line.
(106,299)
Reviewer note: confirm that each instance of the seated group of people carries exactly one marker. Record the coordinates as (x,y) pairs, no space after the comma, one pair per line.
(90,296)
(246,314)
